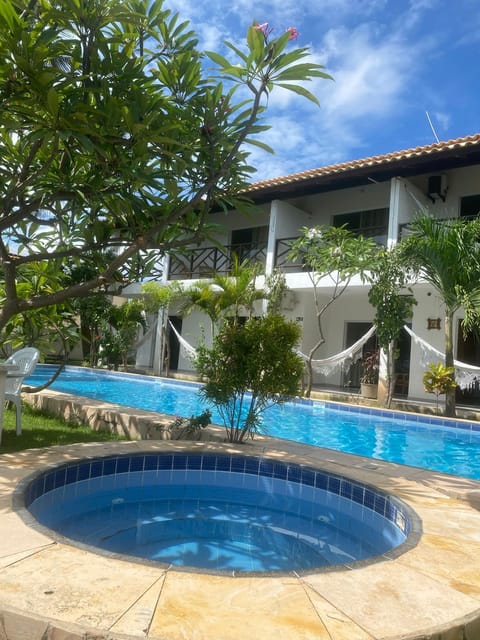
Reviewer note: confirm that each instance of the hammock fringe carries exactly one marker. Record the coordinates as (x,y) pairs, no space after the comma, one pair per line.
(344,358)
(465,374)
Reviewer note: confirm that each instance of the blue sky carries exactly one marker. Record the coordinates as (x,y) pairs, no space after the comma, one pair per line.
(393,61)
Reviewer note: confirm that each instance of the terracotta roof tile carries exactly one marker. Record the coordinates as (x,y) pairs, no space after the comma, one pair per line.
(372,161)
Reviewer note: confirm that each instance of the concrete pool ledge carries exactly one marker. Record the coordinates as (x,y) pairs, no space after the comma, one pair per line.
(51,590)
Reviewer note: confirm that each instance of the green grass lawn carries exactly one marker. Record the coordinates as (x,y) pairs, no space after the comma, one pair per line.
(39,430)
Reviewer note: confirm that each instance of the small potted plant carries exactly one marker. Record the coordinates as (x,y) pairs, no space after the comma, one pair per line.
(439,379)
(369,379)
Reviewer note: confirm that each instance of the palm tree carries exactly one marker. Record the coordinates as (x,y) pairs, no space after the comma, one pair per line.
(225,296)
(446,254)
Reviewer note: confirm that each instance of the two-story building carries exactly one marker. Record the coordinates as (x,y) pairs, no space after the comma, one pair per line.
(374,196)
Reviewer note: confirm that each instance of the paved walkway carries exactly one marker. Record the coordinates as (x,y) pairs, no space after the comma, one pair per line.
(53,591)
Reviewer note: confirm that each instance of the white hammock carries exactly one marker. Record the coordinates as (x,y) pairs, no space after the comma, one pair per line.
(344,358)
(145,336)
(188,350)
(465,374)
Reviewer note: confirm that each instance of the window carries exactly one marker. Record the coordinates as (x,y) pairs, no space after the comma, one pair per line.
(370,224)
(252,235)
(470,206)
(250,244)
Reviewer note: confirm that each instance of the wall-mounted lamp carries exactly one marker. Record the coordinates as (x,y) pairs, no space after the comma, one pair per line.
(437,187)
(433,323)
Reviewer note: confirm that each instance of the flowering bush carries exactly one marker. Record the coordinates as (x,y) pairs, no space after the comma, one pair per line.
(370,368)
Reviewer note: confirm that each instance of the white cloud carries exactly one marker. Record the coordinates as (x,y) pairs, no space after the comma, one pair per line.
(371,78)
(380,53)
(370,75)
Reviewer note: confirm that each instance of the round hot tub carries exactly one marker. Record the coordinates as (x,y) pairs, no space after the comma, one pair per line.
(219,512)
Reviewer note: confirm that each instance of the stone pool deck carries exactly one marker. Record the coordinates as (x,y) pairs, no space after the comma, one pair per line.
(53,591)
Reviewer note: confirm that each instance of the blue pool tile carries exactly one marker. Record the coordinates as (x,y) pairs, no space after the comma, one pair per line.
(369,498)
(265,468)
(280,471)
(109,466)
(380,504)
(223,463)
(151,463)
(358,494)
(83,471)
(308,477)
(165,461)
(390,511)
(238,464)
(209,463)
(333,485)
(96,469)
(49,482)
(32,492)
(269,483)
(72,474)
(346,489)
(39,488)
(123,464)
(321,480)
(180,461)
(251,465)
(60,476)
(294,474)
(194,461)
(136,463)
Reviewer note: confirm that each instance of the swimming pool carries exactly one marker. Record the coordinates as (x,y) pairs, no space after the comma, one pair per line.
(428,442)
(221,512)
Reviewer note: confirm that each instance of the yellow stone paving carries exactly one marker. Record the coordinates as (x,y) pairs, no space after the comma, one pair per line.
(53,590)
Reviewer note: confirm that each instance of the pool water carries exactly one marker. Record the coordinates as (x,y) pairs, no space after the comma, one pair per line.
(210,533)
(218,512)
(429,443)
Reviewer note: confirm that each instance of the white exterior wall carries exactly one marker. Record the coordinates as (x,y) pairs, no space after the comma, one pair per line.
(285,222)
(353,306)
(460,182)
(428,305)
(404,197)
(324,206)
(227,222)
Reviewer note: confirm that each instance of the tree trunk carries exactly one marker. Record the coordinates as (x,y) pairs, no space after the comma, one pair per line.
(390,374)
(450,402)
(309,371)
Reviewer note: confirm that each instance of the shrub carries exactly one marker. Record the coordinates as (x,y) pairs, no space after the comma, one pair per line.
(249,368)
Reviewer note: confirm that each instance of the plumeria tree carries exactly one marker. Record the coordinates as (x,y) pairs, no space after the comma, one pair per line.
(332,256)
(114,138)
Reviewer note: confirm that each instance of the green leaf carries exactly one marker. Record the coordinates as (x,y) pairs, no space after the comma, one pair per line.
(260,144)
(52,102)
(256,43)
(218,59)
(300,91)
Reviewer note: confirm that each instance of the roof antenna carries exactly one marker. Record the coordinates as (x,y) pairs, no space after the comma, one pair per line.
(432,127)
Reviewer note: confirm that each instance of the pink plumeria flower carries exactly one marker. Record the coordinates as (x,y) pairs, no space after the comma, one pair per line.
(264,28)
(294,33)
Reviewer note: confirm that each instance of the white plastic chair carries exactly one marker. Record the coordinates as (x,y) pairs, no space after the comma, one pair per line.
(26,360)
